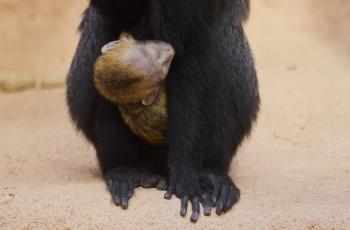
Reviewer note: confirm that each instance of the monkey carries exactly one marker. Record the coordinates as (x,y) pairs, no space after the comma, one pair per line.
(212,99)
(130,74)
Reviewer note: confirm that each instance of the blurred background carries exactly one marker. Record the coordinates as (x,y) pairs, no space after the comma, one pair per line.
(294,171)
(38,38)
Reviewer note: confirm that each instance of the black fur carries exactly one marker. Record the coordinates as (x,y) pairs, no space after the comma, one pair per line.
(212,92)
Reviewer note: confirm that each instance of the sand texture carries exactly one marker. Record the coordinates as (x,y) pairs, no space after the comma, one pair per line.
(293,172)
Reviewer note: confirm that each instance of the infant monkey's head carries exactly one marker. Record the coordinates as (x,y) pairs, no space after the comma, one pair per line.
(130,71)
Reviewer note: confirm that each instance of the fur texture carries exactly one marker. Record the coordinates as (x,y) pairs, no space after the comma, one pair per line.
(212,91)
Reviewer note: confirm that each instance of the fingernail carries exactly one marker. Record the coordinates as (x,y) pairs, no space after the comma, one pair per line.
(183,212)
(167,196)
(219,209)
(194,217)
(207,211)
(116,201)
(124,204)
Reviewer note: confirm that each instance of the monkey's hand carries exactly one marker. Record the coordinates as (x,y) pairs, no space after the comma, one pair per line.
(224,193)
(185,184)
(122,181)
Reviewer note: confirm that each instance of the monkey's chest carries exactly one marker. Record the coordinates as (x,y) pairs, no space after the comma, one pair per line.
(148,122)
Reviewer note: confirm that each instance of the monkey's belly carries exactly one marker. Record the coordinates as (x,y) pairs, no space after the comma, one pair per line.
(148,122)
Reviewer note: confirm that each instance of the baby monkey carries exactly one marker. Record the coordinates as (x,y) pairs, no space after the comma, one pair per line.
(131,75)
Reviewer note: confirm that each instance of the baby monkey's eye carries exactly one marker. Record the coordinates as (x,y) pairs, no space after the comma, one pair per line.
(153,51)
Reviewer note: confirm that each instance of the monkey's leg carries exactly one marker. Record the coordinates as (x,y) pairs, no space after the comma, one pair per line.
(233,110)
(119,152)
(121,156)
(227,130)
(185,127)
(206,126)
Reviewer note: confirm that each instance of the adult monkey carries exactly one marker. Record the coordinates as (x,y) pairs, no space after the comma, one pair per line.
(212,98)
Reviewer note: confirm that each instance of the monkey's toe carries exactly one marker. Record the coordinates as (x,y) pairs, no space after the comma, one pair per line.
(121,190)
(224,193)
(121,183)
(229,195)
(189,191)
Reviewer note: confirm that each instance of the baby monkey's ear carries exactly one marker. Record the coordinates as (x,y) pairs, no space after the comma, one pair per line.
(123,38)
(109,46)
(126,37)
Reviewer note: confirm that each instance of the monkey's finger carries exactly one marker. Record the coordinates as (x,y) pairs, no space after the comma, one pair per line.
(154,180)
(206,204)
(222,201)
(195,209)
(206,185)
(146,182)
(233,198)
(162,184)
(149,180)
(184,205)
(131,188)
(215,195)
(124,195)
(169,193)
(216,185)
(115,193)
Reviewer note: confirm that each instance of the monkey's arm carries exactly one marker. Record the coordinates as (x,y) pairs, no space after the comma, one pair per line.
(121,13)
(205,112)
(81,93)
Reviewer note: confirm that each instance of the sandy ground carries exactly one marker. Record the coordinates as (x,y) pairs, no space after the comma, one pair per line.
(294,171)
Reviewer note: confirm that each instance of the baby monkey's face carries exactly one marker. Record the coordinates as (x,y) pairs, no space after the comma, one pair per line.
(146,62)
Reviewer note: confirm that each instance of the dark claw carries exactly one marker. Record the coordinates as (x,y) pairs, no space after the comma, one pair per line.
(219,208)
(168,194)
(207,211)
(206,205)
(223,192)
(194,217)
(184,204)
(231,199)
(221,203)
(124,203)
(124,195)
(116,193)
(122,182)
(215,196)
(195,209)
(234,197)
(131,189)
(216,189)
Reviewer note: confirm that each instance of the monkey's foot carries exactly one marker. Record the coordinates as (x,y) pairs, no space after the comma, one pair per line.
(187,188)
(224,193)
(122,181)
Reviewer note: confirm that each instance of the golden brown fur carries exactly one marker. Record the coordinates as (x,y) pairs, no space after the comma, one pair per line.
(126,86)
(148,122)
